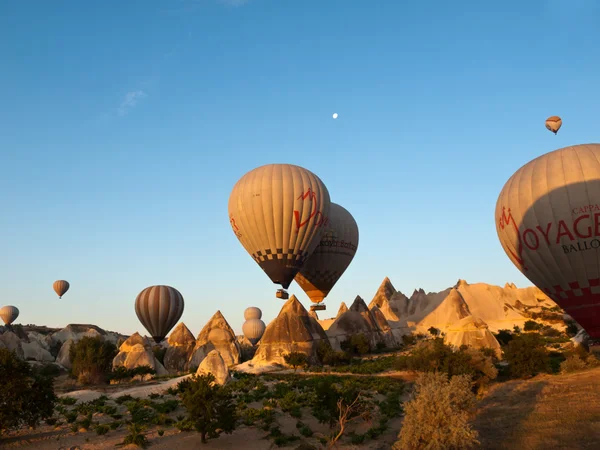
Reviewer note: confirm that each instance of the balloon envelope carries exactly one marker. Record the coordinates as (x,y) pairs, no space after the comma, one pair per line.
(159,308)
(9,314)
(253,330)
(252,312)
(548,222)
(332,256)
(278,212)
(60,287)
(553,124)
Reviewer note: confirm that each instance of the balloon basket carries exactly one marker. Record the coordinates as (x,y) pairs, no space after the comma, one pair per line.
(282,294)
(318,308)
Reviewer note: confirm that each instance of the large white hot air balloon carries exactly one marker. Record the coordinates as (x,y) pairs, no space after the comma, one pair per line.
(278,212)
(9,314)
(159,308)
(548,222)
(253,327)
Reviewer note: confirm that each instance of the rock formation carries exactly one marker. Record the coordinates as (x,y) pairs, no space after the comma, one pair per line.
(451,310)
(358,319)
(386,299)
(216,335)
(136,351)
(472,332)
(64,358)
(181,346)
(214,363)
(12,342)
(293,330)
(342,309)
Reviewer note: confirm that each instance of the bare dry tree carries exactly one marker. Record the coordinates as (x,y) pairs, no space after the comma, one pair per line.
(347,414)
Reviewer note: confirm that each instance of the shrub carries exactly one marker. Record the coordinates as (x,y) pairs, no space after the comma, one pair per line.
(504,337)
(438,416)
(516,329)
(358,344)
(26,396)
(91,359)
(531,325)
(526,355)
(210,407)
(573,363)
(572,329)
(434,331)
(136,436)
(296,359)
(408,339)
(435,356)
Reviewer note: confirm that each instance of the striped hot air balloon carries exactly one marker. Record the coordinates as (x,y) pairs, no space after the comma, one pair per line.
(61,287)
(548,222)
(278,213)
(332,256)
(9,314)
(159,308)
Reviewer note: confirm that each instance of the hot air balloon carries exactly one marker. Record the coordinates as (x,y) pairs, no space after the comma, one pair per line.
(61,287)
(159,308)
(278,212)
(553,123)
(331,258)
(9,314)
(252,312)
(548,222)
(253,327)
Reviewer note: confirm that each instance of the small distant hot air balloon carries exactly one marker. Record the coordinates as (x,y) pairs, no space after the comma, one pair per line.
(61,287)
(159,308)
(553,124)
(331,258)
(253,328)
(548,223)
(9,314)
(278,212)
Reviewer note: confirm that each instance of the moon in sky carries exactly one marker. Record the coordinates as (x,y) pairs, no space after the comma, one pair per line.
(335,115)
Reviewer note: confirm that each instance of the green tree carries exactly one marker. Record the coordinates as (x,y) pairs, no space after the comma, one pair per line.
(438,416)
(526,355)
(434,331)
(503,337)
(91,359)
(296,359)
(26,396)
(209,406)
(532,325)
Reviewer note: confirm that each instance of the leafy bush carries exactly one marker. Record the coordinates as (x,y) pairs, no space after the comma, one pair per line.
(296,359)
(367,367)
(210,407)
(572,329)
(121,373)
(26,396)
(434,331)
(531,325)
(91,359)
(437,418)
(503,337)
(136,436)
(435,356)
(358,344)
(526,355)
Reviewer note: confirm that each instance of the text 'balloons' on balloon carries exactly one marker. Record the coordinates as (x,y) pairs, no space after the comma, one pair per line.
(9,314)
(548,223)
(61,287)
(553,124)
(159,308)
(332,256)
(278,213)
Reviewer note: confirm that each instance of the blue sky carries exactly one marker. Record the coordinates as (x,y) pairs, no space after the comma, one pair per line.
(124,126)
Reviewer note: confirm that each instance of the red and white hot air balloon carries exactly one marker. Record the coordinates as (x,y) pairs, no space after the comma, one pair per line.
(548,222)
